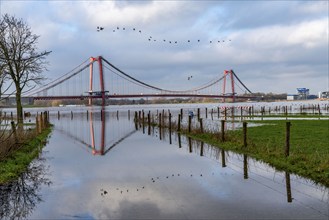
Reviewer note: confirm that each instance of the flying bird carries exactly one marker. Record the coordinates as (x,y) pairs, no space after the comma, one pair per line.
(100,28)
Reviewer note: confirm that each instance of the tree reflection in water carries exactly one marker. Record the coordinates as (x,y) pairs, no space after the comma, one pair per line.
(19,198)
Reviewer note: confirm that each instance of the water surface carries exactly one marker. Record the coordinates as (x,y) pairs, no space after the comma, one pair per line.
(106,169)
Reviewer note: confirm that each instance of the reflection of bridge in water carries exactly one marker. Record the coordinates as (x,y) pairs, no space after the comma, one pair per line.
(97,132)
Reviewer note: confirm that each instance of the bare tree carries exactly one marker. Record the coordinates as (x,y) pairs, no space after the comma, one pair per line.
(19,57)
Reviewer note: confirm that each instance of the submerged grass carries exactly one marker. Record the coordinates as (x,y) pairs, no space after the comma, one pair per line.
(18,161)
(309,146)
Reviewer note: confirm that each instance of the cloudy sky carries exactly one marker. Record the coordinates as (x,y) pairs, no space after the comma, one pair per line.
(273,46)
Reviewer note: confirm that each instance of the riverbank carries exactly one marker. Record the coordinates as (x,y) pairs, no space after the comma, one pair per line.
(309,151)
(16,163)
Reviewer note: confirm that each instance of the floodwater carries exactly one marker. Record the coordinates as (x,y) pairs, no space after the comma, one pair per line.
(101,166)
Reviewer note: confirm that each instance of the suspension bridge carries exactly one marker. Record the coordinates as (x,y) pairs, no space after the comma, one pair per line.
(112,83)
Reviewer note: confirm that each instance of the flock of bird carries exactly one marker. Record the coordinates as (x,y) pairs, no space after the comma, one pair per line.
(106,192)
(152,39)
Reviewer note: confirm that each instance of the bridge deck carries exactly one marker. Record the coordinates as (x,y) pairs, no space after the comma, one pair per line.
(82,97)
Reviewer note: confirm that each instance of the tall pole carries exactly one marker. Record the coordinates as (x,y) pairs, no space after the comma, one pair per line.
(92,59)
(100,64)
(232,84)
(224,83)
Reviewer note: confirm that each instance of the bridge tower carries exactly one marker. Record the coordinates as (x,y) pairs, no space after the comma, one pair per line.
(101,77)
(229,72)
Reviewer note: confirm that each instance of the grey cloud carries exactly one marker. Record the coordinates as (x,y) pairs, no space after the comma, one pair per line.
(260,59)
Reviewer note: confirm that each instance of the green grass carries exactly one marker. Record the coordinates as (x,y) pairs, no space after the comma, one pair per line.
(15,164)
(309,146)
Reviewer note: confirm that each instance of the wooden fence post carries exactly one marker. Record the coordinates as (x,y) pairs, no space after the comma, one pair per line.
(225,113)
(170,123)
(245,134)
(40,123)
(288,124)
(201,125)
(149,123)
(143,121)
(189,123)
(37,125)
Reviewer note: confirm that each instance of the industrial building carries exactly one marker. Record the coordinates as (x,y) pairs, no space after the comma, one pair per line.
(324,95)
(302,94)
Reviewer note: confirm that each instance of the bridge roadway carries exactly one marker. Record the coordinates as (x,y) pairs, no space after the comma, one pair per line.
(82,97)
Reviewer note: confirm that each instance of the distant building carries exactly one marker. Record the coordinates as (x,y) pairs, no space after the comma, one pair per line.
(324,95)
(292,97)
(303,93)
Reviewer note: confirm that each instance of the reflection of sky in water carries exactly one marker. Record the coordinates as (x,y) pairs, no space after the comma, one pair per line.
(170,192)
(145,177)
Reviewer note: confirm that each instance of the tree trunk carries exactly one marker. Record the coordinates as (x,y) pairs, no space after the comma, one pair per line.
(19,107)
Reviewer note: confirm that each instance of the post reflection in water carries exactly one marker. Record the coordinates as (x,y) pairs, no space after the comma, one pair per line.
(20,197)
(210,151)
(223,158)
(245,166)
(288,186)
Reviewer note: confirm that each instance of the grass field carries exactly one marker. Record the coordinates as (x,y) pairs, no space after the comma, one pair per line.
(309,146)
(18,161)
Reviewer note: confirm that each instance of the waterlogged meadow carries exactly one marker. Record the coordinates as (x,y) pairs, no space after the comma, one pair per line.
(100,164)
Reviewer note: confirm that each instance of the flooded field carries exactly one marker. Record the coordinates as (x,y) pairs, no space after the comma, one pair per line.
(101,166)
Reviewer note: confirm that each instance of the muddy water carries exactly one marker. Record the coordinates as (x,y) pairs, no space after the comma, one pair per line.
(106,169)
